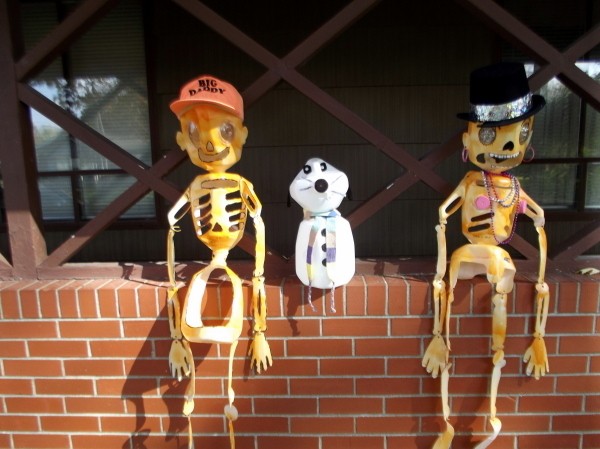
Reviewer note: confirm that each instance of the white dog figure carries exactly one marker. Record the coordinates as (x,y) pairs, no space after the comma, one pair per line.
(324,245)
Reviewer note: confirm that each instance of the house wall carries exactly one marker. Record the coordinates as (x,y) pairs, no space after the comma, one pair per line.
(403,68)
(84,364)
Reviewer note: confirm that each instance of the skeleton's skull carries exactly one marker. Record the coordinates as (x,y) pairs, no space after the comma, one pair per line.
(319,187)
(212,137)
(498,149)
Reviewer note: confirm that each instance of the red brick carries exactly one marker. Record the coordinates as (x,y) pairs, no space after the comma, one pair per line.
(32,368)
(64,386)
(387,346)
(589,297)
(147,300)
(384,386)
(321,425)
(107,299)
(398,293)
(354,295)
(352,366)
(287,442)
(292,327)
(580,344)
(41,441)
(127,301)
(90,329)
(354,442)
(122,348)
(21,387)
(406,326)
(590,440)
(377,300)
(318,347)
(48,300)
(572,422)
(412,405)
(94,405)
(285,406)
(549,404)
(69,423)
(106,441)
(294,367)
(126,423)
(57,348)
(34,405)
(321,386)
(94,367)
(350,406)
(12,348)
(10,304)
(19,423)
(578,384)
(410,366)
(355,327)
(67,299)
(551,440)
(463,293)
(259,425)
(384,424)
(28,329)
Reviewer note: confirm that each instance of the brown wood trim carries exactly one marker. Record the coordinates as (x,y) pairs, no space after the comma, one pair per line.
(21,196)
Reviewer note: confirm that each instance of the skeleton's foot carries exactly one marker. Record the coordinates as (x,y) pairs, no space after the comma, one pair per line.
(436,356)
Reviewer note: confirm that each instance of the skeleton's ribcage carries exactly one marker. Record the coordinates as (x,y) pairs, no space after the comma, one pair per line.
(219,217)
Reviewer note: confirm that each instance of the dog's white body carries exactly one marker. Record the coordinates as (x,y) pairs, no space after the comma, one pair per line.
(320,188)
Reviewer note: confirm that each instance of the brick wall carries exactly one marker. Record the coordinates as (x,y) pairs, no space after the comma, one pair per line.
(84,364)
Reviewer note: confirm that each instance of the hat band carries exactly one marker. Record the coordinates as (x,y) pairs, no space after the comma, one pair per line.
(499,112)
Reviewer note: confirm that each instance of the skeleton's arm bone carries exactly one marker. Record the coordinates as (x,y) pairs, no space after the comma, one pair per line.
(173,219)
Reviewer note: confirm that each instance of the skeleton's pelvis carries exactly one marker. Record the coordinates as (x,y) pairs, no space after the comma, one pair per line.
(473,259)
(192,326)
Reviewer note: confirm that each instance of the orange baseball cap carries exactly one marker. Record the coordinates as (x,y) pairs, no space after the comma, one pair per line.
(208,89)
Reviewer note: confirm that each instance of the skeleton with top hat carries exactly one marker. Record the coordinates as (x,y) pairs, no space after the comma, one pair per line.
(499,129)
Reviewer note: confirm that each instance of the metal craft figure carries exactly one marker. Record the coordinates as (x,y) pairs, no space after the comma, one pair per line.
(500,126)
(211,114)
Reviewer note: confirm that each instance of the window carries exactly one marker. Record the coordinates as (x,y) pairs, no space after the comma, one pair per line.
(565,173)
(101,80)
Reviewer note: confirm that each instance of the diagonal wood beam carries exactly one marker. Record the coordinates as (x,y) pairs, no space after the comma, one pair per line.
(514,31)
(111,212)
(313,92)
(578,243)
(578,49)
(95,140)
(55,43)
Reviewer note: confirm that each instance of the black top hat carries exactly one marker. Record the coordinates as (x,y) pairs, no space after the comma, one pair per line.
(499,95)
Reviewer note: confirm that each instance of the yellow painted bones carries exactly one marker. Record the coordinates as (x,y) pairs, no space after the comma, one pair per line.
(219,204)
(490,201)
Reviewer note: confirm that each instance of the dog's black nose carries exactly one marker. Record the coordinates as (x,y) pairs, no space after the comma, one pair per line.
(321,185)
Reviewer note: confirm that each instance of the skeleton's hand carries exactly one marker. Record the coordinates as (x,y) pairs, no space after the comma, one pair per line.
(537,358)
(260,353)
(436,356)
(179,359)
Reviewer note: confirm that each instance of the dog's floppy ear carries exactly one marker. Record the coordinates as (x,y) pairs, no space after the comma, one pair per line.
(349,194)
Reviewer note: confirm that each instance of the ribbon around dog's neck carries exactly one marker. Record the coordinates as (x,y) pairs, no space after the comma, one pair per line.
(330,249)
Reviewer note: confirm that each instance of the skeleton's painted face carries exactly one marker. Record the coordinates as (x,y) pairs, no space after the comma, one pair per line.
(212,137)
(499,149)
(319,187)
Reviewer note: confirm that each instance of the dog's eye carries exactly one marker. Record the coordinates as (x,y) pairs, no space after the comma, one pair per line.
(307,169)
(323,166)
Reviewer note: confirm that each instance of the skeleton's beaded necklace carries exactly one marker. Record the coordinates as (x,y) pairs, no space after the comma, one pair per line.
(509,200)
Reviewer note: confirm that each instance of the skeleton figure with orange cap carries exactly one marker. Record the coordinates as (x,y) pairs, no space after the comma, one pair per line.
(211,114)
(499,130)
